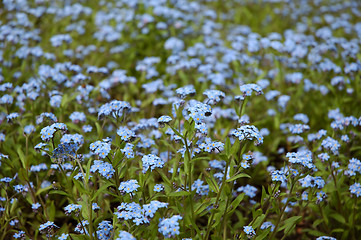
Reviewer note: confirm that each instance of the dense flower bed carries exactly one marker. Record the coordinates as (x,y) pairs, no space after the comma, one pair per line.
(155,119)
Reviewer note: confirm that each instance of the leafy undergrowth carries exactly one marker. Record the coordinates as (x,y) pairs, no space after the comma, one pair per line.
(180,119)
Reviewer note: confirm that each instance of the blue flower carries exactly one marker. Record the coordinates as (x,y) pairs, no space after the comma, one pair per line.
(353,167)
(320,196)
(79,227)
(158,188)
(95,207)
(323,156)
(249,231)
(248,190)
(47,226)
(150,209)
(151,161)
(129,186)
(186,90)
(72,138)
(169,227)
(87,128)
(325,238)
(128,150)
(278,176)
(214,96)
(64,151)
(13,222)
(174,44)
(123,235)
(47,133)
(355,189)
(298,128)
(266,225)
(55,101)
(104,168)
(59,126)
(35,206)
(114,108)
(63,236)
(105,229)
(51,116)
(77,117)
(72,208)
(249,132)
(102,149)
(331,144)
(301,117)
(345,138)
(283,100)
(303,157)
(20,234)
(125,134)
(12,116)
(247,89)
(29,129)
(245,164)
(164,119)
(202,128)
(200,188)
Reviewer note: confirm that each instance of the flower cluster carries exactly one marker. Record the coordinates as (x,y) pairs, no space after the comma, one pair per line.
(151,161)
(105,169)
(169,227)
(146,109)
(249,132)
(100,148)
(129,186)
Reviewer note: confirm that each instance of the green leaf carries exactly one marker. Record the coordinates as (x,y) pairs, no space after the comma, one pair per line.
(257,213)
(201,206)
(338,217)
(200,158)
(21,156)
(258,221)
(264,195)
(338,230)
(183,76)
(87,171)
(186,161)
(79,186)
(240,175)
(315,233)
(179,194)
(290,222)
(22,175)
(60,192)
(101,190)
(264,234)
(188,126)
(317,222)
(167,144)
(227,147)
(218,218)
(164,177)
(51,211)
(236,202)
(211,182)
(99,130)
(41,190)
(79,237)
(235,147)
(176,131)
(223,157)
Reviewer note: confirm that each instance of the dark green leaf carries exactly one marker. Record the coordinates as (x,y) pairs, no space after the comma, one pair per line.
(240,175)
(178,194)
